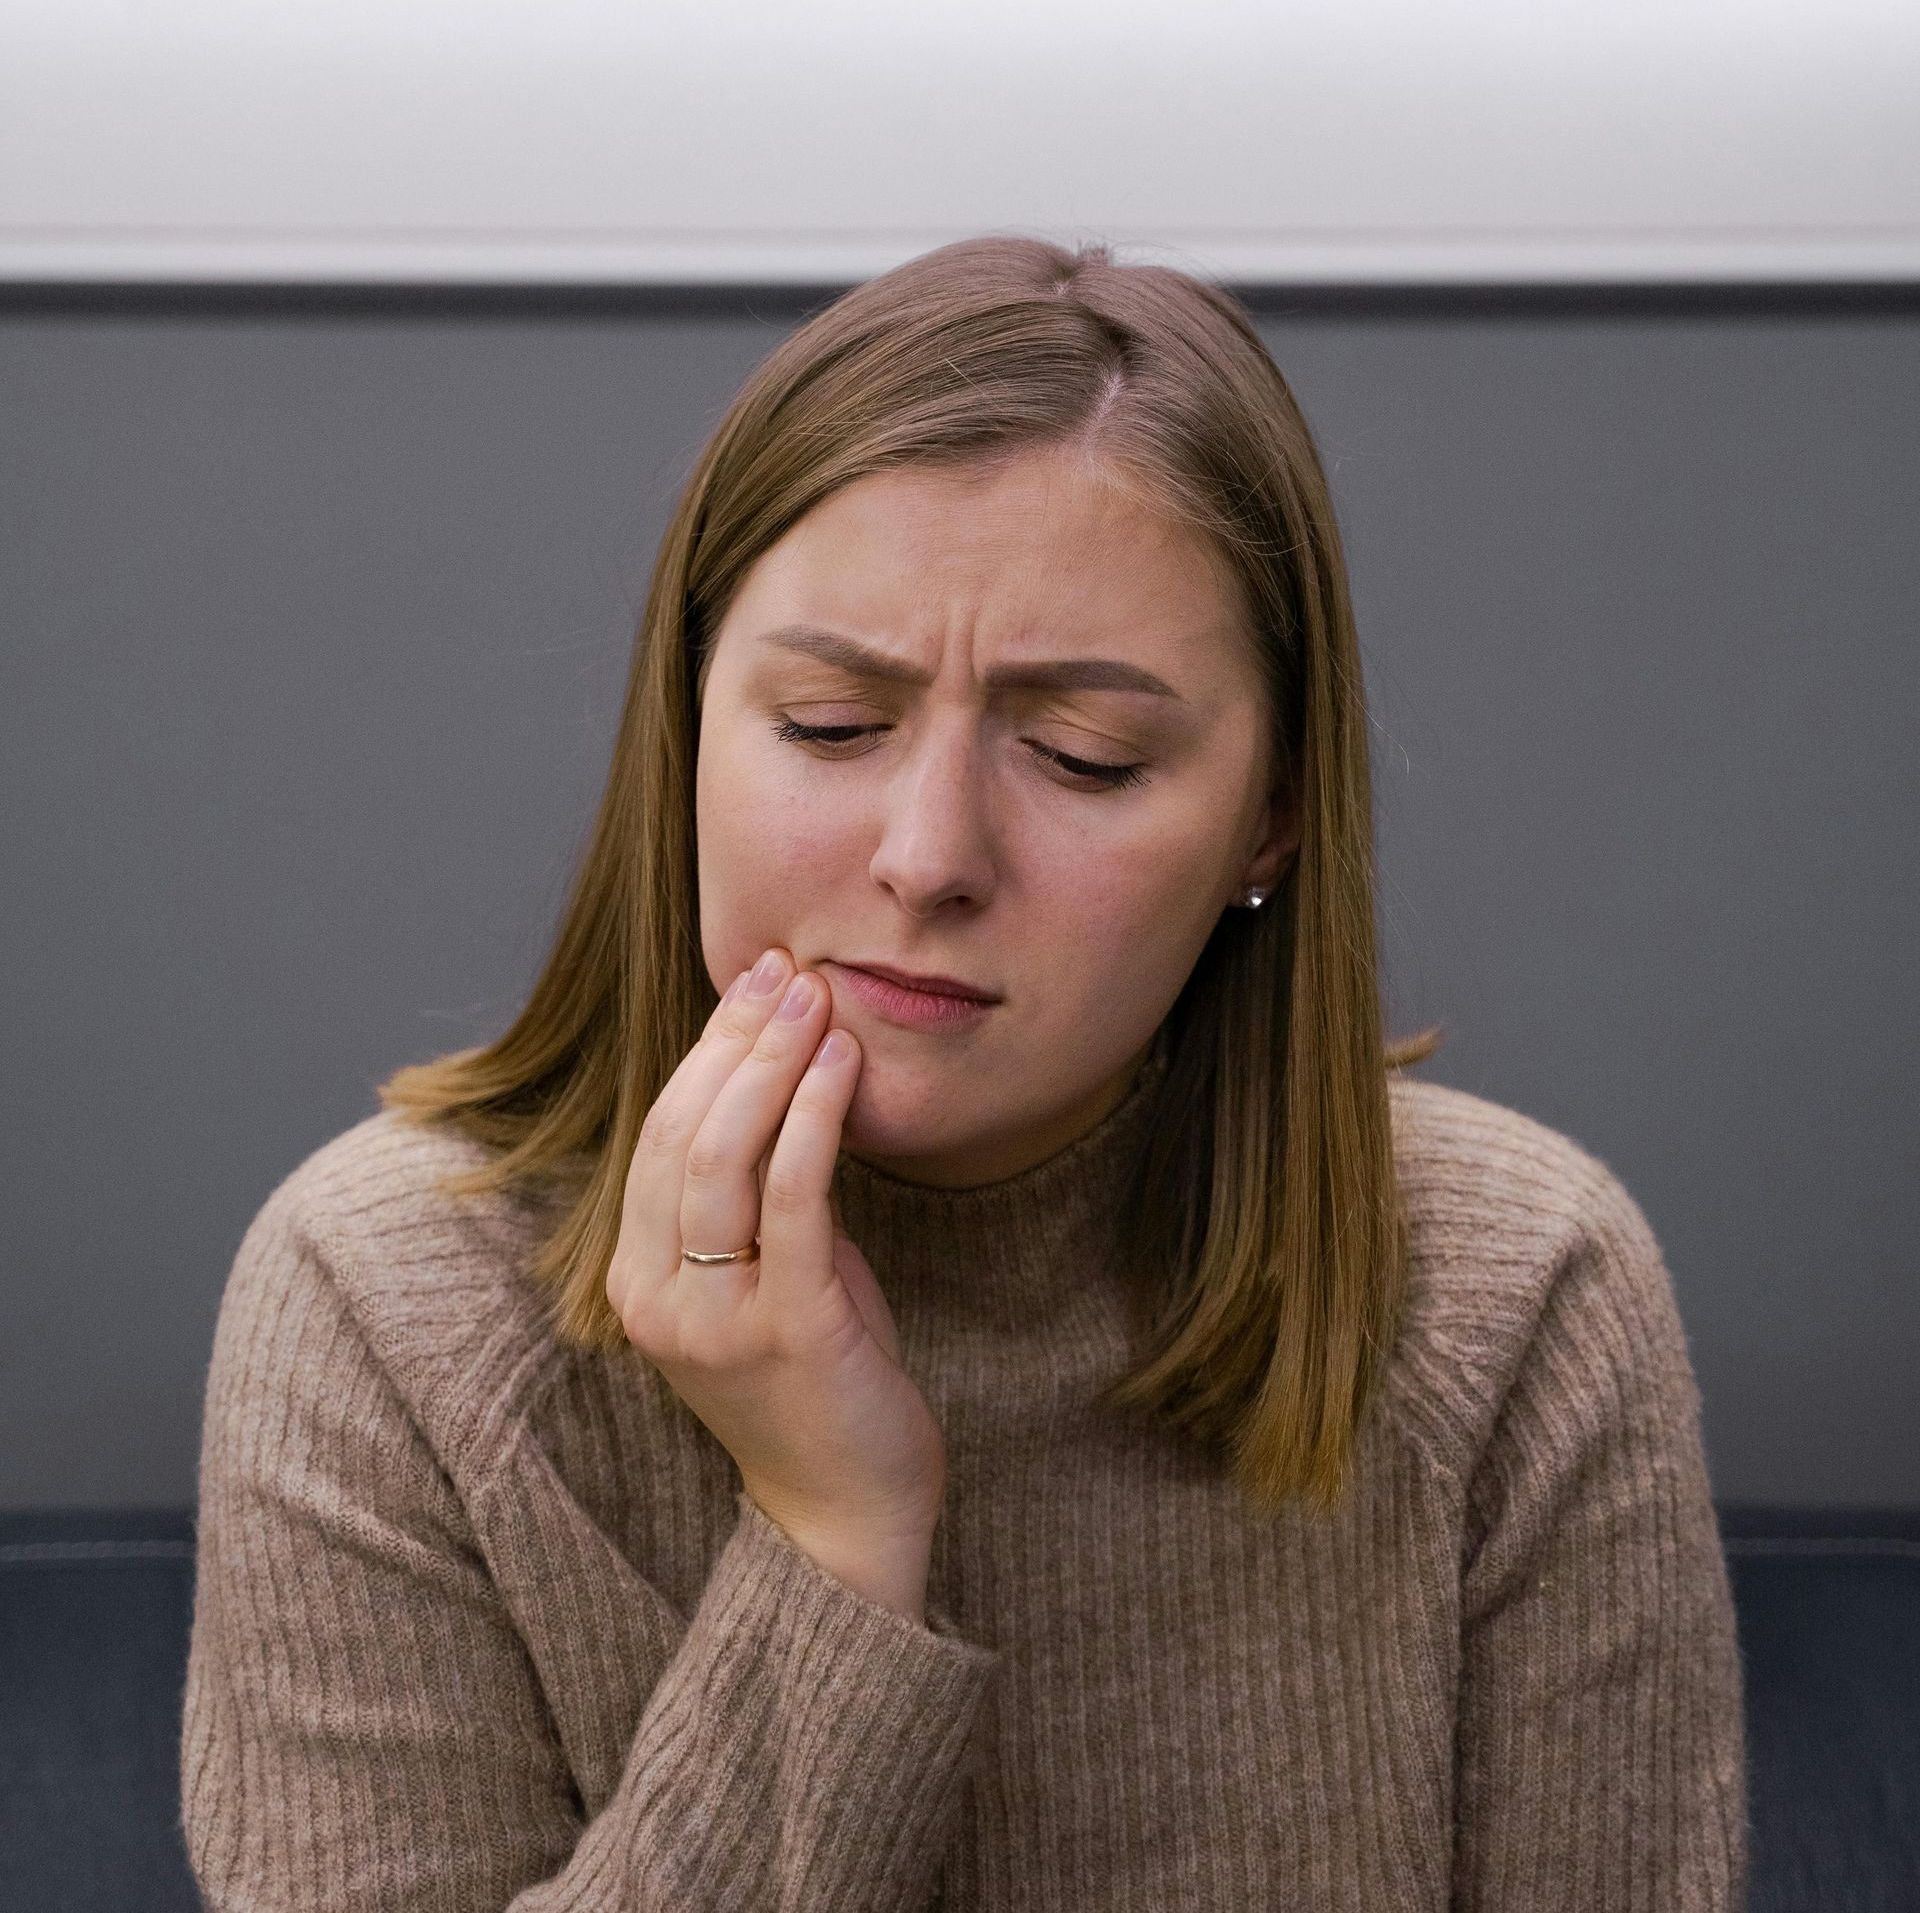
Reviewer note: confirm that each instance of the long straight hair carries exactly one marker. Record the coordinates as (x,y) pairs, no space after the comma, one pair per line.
(1266,1229)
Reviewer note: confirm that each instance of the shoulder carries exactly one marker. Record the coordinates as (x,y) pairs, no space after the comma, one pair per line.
(1525,1246)
(431,1287)
(1477,1174)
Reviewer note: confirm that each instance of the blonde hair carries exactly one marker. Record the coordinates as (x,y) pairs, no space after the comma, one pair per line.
(1267,1225)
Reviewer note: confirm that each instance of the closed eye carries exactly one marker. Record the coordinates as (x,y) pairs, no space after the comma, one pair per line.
(1107,776)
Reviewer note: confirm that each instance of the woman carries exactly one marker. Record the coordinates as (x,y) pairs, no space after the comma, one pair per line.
(1095,1434)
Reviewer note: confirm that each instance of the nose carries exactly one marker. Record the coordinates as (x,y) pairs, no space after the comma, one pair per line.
(936,837)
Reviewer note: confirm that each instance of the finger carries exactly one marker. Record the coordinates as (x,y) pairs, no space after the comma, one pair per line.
(798,1210)
(656,1175)
(720,1197)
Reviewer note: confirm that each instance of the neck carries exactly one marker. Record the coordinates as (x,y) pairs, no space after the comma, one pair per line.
(1016,1248)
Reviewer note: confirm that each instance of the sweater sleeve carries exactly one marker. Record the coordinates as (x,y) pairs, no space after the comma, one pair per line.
(363,1726)
(1600,1752)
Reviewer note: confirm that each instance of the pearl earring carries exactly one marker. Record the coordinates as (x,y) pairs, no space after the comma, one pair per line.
(1254,899)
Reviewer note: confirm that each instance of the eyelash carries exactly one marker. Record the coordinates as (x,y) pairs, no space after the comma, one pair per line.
(1107,776)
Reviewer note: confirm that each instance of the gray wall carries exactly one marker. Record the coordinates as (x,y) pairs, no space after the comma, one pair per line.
(316,619)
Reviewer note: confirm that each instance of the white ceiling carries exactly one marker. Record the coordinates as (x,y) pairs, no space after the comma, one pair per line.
(824,140)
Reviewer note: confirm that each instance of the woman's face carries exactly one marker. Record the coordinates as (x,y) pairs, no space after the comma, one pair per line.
(946,838)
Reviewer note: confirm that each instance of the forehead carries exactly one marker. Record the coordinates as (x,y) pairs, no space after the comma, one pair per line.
(1045,549)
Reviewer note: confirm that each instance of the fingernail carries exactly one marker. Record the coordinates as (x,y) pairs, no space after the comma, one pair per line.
(766,974)
(796,1002)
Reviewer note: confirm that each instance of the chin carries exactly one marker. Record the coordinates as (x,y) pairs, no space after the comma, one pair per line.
(893,1115)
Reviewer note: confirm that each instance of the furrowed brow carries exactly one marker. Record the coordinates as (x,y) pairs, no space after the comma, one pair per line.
(1050,674)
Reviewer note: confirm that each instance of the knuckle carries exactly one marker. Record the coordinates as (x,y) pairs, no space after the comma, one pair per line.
(788,1189)
(706,1159)
(619,1283)
(742,1021)
(630,1305)
(787,1343)
(712,1346)
(813,1337)
(659,1135)
(668,1339)
(772,1054)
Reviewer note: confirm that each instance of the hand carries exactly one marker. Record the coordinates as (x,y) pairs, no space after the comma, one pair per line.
(793,1360)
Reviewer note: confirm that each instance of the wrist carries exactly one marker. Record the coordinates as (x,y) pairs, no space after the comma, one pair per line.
(891,1570)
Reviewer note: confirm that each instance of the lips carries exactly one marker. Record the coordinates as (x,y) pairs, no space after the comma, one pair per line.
(909,1007)
(933,985)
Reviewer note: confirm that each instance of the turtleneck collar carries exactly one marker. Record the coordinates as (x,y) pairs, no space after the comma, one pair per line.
(1011,1250)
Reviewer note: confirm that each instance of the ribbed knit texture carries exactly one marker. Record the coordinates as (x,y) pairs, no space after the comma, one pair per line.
(484,1622)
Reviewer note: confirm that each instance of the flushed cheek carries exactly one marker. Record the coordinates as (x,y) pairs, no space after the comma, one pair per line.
(749,827)
(744,903)
(783,820)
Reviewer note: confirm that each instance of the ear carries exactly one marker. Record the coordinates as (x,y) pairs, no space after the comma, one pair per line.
(1279,841)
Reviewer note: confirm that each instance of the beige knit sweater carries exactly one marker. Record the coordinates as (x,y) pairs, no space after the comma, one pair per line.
(482,1622)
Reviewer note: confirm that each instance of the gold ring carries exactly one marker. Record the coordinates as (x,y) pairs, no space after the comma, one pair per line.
(726,1255)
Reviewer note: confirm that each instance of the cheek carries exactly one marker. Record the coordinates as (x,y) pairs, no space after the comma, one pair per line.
(1087,917)
(765,842)
(1132,921)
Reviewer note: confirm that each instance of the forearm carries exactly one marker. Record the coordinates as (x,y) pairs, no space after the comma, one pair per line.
(804,1746)
(355,1649)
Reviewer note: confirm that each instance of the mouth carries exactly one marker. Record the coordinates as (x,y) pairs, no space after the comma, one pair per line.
(913,1006)
(925,985)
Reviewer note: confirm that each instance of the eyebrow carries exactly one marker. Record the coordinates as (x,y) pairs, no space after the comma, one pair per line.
(1049,674)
